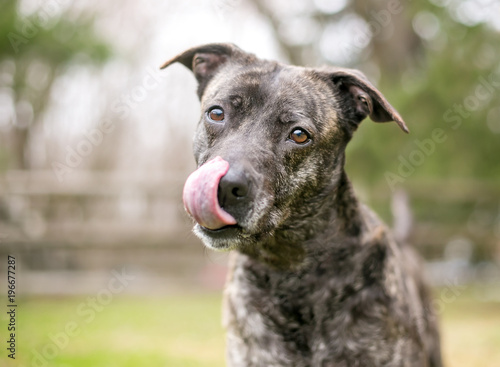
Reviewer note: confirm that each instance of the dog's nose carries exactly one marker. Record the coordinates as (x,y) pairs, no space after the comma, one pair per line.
(234,188)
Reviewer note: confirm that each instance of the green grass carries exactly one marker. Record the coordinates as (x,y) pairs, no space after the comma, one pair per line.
(471,328)
(128,332)
(185,331)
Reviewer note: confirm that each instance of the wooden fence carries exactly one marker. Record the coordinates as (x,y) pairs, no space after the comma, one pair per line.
(97,221)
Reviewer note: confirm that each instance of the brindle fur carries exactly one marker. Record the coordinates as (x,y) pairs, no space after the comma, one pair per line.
(316,279)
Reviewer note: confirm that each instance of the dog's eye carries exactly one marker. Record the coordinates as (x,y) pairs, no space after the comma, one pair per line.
(299,136)
(216,114)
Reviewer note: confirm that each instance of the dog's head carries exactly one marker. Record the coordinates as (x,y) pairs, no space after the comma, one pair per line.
(270,140)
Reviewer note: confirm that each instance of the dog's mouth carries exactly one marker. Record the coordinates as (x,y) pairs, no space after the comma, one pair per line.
(226,238)
(220,202)
(226,231)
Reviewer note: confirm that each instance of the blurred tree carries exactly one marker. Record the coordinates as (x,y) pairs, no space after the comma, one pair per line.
(33,50)
(428,58)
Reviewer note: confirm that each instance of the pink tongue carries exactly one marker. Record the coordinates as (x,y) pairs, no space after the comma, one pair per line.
(200,195)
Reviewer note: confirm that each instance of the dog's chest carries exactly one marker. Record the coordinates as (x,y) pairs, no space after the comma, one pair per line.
(289,304)
(303,313)
(270,313)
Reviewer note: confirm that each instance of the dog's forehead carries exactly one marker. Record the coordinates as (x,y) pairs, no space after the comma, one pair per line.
(282,88)
(269,81)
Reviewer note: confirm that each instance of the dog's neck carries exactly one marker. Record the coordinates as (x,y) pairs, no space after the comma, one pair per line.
(330,217)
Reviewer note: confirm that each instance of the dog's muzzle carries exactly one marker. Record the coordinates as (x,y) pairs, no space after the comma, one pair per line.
(213,194)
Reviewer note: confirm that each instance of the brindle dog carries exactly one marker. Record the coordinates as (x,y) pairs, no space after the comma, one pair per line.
(316,278)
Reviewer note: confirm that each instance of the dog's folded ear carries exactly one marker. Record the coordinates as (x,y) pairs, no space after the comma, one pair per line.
(363,98)
(206,60)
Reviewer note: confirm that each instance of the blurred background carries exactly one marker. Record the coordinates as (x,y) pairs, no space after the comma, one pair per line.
(95,145)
